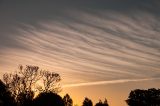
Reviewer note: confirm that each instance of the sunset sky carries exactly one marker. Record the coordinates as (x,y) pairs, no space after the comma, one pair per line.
(101,48)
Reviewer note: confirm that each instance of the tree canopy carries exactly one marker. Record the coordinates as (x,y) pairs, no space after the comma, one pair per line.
(100,103)
(48,99)
(68,100)
(150,97)
(24,83)
(87,102)
(5,96)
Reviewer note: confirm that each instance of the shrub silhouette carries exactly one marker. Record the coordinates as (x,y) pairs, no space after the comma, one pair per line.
(150,97)
(87,102)
(5,96)
(100,103)
(48,99)
(67,100)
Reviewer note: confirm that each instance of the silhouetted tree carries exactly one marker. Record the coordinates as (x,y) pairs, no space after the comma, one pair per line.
(153,97)
(5,96)
(23,84)
(150,97)
(87,102)
(67,100)
(48,99)
(50,81)
(100,103)
(105,102)
(25,99)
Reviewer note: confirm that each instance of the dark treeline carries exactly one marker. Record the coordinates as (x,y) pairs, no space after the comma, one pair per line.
(31,86)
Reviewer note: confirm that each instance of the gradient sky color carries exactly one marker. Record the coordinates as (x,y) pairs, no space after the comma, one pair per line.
(101,48)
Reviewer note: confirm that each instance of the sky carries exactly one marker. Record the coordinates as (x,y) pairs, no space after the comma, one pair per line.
(101,48)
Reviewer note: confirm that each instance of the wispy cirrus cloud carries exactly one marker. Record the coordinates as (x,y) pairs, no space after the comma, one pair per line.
(102,46)
(107,82)
(85,44)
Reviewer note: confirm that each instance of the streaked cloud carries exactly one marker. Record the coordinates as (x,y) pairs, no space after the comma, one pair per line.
(107,82)
(104,47)
(84,44)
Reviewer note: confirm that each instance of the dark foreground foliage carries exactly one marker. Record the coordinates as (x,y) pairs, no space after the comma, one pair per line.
(5,96)
(100,103)
(87,102)
(67,100)
(48,99)
(150,97)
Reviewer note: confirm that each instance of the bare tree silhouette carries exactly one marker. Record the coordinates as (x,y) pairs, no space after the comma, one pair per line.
(23,84)
(22,81)
(50,81)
